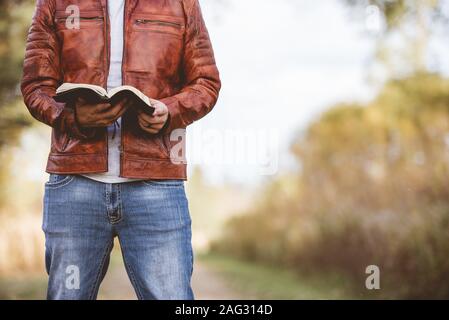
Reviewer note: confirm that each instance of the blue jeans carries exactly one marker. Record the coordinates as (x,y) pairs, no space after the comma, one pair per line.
(151,220)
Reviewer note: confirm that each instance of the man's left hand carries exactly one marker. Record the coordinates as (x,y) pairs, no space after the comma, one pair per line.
(154,123)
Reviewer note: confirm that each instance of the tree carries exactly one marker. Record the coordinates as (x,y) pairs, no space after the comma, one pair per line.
(409,27)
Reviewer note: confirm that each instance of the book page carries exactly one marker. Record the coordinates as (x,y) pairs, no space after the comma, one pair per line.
(72,86)
(136,91)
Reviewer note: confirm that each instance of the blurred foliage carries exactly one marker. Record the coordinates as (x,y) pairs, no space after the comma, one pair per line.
(397,12)
(404,43)
(373,189)
(15,17)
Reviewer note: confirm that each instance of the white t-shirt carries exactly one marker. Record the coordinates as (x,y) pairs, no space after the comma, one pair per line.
(116,17)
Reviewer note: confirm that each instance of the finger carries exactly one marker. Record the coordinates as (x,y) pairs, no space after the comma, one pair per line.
(156,127)
(102,123)
(108,119)
(115,106)
(146,126)
(121,112)
(152,118)
(151,130)
(114,112)
(145,116)
(123,102)
(159,111)
(144,123)
(155,121)
(101,107)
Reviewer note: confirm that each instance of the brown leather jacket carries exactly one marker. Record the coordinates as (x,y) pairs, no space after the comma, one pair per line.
(167,55)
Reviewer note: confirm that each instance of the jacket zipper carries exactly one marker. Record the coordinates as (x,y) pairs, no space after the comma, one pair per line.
(107,43)
(158,22)
(91,18)
(81,19)
(125,14)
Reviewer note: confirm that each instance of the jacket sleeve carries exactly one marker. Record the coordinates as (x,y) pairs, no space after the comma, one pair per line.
(199,95)
(42,74)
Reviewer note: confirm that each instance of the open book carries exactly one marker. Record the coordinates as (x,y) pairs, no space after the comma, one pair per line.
(69,92)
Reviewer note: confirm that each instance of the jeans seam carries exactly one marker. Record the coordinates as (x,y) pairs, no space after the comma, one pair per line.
(96,284)
(130,273)
(120,209)
(131,277)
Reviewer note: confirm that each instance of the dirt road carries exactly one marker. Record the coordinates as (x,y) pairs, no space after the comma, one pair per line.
(207,285)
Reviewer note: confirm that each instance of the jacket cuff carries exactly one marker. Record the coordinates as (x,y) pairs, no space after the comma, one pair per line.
(69,125)
(174,120)
(166,126)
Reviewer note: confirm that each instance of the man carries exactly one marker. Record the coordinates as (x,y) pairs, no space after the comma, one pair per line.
(111,172)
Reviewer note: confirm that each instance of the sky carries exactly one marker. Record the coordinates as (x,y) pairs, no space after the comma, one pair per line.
(282,64)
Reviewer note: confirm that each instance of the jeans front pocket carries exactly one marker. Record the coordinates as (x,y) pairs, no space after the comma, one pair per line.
(58,180)
(175,183)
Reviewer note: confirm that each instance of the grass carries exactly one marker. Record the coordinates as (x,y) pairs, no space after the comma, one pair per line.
(251,279)
(34,287)
(23,288)
(269,282)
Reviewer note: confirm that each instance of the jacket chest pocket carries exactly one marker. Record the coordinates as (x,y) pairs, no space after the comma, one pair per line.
(82,44)
(165,25)
(86,20)
(155,45)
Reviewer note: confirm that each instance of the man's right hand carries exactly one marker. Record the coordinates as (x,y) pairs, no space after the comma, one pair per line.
(99,115)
